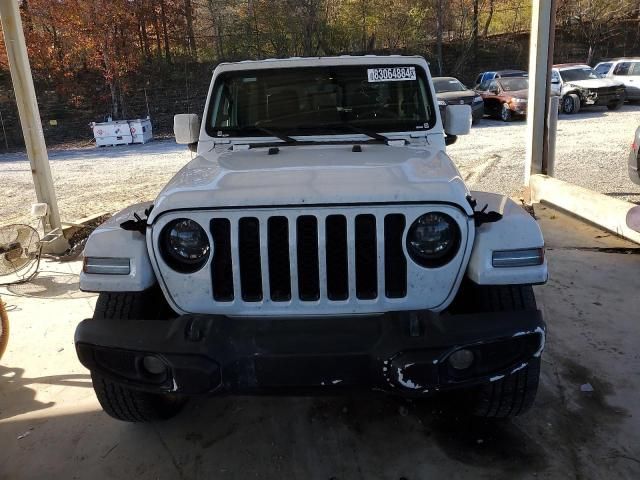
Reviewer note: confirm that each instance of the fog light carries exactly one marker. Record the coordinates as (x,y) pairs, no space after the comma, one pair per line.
(153,365)
(461,359)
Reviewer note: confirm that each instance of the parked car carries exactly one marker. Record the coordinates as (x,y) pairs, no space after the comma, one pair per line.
(634,158)
(484,76)
(625,70)
(505,98)
(580,86)
(305,251)
(450,91)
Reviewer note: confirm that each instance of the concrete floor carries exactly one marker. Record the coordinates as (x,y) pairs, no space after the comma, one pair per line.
(51,425)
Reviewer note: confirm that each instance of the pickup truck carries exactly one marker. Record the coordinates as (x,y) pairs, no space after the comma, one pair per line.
(321,241)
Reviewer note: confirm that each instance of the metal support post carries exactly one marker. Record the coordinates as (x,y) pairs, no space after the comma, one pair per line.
(540,61)
(30,116)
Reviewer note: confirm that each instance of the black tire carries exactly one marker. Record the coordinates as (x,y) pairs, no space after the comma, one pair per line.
(129,405)
(615,105)
(570,104)
(514,394)
(117,400)
(505,113)
(147,305)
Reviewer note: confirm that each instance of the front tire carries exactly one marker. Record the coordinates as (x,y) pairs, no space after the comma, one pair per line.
(117,400)
(128,405)
(615,105)
(515,393)
(570,104)
(506,114)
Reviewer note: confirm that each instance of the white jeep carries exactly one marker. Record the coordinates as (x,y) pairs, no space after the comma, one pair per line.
(321,241)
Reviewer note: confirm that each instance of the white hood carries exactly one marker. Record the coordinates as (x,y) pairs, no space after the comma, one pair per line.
(313,175)
(596,83)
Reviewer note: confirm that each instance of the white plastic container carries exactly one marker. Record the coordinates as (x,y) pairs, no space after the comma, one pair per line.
(112,133)
(141,130)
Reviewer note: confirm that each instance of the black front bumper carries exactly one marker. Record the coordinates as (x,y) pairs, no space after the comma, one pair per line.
(404,352)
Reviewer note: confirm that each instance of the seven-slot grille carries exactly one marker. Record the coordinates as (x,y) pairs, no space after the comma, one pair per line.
(308,257)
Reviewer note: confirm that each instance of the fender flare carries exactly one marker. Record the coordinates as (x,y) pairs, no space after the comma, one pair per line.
(516,230)
(109,240)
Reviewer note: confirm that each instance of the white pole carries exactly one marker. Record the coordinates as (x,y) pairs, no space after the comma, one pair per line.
(28,111)
(540,60)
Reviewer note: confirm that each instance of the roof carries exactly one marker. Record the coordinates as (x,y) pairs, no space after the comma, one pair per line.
(619,59)
(323,61)
(445,78)
(570,65)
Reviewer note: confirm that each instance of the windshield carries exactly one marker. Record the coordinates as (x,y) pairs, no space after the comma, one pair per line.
(581,73)
(320,100)
(514,84)
(443,85)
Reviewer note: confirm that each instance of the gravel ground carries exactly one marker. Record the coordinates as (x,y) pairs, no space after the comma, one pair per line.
(91,180)
(592,150)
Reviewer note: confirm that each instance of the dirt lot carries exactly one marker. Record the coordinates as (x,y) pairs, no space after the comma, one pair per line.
(51,425)
(592,152)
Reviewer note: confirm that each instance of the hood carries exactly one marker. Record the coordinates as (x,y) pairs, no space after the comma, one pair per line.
(595,83)
(316,175)
(463,95)
(518,94)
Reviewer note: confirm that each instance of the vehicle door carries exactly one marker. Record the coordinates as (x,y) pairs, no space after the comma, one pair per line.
(629,74)
(491,96)
(556,83)
(632,81)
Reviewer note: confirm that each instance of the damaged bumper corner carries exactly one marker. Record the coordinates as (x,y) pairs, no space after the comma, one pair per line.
(406,353)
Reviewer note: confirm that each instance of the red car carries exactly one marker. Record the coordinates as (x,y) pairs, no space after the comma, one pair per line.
(505,98)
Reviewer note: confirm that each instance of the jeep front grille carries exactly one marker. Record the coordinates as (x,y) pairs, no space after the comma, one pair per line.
(314,251)
(311,260)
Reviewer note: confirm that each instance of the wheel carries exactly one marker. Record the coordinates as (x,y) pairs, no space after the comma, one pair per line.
(505,114)
(117,400)
(4,328)
(570,104)
(514,394)
(615,105)
(130,405)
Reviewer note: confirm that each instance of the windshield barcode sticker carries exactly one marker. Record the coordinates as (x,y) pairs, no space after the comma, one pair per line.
(391,74)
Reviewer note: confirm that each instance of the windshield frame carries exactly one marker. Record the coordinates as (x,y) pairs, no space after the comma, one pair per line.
(506,80)
(579,68)
(443,80)
(333,129)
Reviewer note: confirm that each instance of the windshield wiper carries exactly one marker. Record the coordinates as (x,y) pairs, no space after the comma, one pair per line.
(364,131)
(274,133)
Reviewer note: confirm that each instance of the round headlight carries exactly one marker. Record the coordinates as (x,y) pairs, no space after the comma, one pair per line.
(433,240)
(184,245)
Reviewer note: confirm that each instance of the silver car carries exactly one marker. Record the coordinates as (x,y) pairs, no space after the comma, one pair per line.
(634,159)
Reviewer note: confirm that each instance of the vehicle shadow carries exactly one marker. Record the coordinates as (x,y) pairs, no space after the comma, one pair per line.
(370,437)
(50,285)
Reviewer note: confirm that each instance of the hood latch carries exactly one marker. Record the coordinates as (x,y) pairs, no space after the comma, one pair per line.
(139,224)
(482,216)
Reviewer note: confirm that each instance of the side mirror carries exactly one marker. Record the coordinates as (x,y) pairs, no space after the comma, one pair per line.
(457,120)
(494,91)
(186,128)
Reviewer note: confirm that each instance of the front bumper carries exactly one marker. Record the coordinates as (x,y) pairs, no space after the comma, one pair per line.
(603,98)
(403,352)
